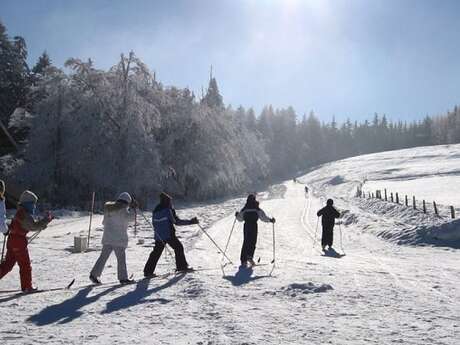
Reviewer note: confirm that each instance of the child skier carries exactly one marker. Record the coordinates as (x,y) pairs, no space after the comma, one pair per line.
(117,215)
(17,251)
(164,218)
(250,214)
(328,214)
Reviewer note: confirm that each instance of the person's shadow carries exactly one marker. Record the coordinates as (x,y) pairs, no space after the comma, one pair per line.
(333,254)
(243,276)
(68,310)
(139,294)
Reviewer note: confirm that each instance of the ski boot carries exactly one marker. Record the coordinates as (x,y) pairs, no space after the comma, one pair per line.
(94,280)
(127,281)
(30,290)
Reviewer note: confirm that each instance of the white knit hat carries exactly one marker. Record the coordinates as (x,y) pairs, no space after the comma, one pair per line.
(125,197)
(28,196)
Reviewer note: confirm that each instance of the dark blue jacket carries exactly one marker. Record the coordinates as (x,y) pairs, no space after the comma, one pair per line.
(164,219)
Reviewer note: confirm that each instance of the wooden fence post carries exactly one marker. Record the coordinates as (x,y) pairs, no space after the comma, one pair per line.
(373,195)
(386,197)
(407,201)
(397,198)
(452,212)
(424,206)
(435,208)
(414,205)
(391,197)
(91,217)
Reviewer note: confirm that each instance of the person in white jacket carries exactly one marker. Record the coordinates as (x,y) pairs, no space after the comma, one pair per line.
(117,216)
(3,226)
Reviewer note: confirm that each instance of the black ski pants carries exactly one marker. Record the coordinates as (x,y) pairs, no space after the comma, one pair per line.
(181,262)
(328,236)
(249,242)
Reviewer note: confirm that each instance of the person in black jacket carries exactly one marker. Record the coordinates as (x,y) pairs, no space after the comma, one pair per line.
(250,214)
(328,214)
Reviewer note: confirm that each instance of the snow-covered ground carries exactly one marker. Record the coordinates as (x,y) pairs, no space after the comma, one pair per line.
(380,292)
(431,173)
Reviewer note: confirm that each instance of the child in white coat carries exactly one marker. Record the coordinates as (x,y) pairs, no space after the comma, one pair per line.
(117,216)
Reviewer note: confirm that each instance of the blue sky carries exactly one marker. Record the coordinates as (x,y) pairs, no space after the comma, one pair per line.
(348,58)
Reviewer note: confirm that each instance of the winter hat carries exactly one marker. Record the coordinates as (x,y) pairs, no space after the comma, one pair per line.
(125,197)
(329,202)
(251,201)
(28,196)
(165,199)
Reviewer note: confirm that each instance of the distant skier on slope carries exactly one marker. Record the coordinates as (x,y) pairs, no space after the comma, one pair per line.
(250,214)
(306,190)
(17,251)
(117,215)
(164,218)
(328,214)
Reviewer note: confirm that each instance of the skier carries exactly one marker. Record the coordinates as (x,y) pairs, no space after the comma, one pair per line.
(306,190)
(117,215)
(164,218)
(17,251)
(328,214)
(250,214)
(3,226)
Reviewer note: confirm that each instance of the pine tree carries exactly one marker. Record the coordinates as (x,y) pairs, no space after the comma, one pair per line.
(213,99)
(44,61)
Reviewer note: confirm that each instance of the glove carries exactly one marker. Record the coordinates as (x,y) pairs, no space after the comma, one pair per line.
(273,220)
(236,214)
(194,220)
(49,217)
(6,233)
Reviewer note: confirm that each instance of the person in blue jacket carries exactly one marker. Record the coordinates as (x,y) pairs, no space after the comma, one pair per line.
(164,218)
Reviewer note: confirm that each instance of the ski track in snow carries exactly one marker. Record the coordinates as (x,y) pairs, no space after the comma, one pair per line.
(378,293)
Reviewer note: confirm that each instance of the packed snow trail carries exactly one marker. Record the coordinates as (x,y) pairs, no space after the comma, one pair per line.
(378,293)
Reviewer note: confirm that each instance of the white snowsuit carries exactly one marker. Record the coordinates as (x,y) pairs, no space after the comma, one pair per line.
(117,216)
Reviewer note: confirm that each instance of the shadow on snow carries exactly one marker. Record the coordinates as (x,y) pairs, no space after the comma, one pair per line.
(69,310)
(243,276)
(139,294)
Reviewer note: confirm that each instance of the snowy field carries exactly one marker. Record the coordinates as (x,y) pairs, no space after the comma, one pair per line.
(388,284)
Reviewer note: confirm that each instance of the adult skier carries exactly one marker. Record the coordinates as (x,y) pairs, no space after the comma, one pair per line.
(250,214)
(164,218)
(117,215)
(328,214)
(16,246)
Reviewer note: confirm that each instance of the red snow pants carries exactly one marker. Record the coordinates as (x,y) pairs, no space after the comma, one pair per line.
(17,252)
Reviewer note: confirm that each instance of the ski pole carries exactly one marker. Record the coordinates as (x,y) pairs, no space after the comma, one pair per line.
(274,246)
(33,237)
(228,241)
(273,235)
(148,222)
(3,247)
(135,221)
(214,242)
(341,241)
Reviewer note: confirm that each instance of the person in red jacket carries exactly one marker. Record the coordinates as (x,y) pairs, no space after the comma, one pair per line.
(16,246)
